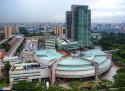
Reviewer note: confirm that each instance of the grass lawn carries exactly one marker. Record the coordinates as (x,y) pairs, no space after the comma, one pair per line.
(3,83)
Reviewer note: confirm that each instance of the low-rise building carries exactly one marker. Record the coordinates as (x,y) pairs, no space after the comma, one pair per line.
(63,44)
(29,72)
(27,55)
(12,60)
(52,64)
(31,44)
(50,43)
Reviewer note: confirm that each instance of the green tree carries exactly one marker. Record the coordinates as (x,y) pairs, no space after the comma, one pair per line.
(38,86)
(6,69)
(75,85)
(56,88)
(120,78)
(23,86)
(23,31)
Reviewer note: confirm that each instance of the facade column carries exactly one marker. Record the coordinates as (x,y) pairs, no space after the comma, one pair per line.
(53,74)
(96,65)
(53,70)
(39,79)
(96,73)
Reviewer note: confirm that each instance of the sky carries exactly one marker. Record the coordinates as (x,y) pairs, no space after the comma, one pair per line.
(102,11)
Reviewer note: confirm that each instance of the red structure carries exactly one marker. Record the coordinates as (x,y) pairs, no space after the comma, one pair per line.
(53,70)
(2,54)
(64,52)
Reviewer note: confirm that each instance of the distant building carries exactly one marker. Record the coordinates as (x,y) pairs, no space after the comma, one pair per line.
(8,32)
(1,33)
(122,29)
(96,36)
(10,29)
(1,30)
(58,29)
(107,28)
(80,24)
(15,29)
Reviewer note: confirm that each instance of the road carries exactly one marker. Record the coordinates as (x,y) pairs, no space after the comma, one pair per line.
(15,47)
(111,73)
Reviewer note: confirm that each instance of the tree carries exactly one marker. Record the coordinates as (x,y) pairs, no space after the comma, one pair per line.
(23,86)
(23,31)
(75,85)
(105,84)
(39,87)
(6,69)
(29,86)
(120,78)
(56,88)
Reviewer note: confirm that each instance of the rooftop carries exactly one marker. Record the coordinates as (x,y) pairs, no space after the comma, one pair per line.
(26,66)
(74,61)
(48,54)
(93,52)
(84,61)
(66,42)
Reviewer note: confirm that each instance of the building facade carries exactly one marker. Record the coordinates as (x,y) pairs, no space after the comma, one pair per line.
(63,44)
(29,72)
(51,64)
(81,25)
(50,43)
(68,24)
(8,32)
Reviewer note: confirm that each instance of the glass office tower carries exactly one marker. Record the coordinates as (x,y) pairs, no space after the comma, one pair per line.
(68,24)
(81,25)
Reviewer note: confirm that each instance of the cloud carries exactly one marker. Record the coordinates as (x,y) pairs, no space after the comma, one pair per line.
(107,4)
(104,10)
(54,10)
(99,14)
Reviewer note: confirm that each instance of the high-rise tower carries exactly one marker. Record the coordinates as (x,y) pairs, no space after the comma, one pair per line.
(81,25)
(68,24)
(8,32)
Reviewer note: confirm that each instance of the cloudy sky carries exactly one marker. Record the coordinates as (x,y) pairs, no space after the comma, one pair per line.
(54,10)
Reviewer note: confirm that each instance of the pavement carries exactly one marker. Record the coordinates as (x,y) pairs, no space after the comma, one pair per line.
(111,73)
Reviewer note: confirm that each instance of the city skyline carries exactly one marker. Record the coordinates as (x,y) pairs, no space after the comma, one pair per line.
(54,11)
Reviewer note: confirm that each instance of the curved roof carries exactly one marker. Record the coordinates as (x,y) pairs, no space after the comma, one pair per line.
(93,52)
(85,61)
(74,61)
(75,68)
